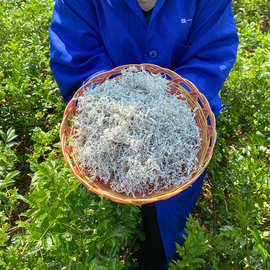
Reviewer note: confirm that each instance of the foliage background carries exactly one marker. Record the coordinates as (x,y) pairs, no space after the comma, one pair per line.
(49,221)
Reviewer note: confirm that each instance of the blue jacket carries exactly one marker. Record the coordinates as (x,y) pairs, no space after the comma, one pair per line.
(195,38)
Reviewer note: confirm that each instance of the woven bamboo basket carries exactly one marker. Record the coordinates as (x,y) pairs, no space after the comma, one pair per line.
(205,119)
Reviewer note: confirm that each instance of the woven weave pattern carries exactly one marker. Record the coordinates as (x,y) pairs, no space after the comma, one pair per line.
(204,118)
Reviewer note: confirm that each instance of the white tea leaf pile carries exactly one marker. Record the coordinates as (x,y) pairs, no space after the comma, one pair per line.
(135,136)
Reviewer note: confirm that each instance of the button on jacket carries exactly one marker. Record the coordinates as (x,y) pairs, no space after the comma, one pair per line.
(195,38)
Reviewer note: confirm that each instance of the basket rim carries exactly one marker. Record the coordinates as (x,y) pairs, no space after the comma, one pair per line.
(89,183)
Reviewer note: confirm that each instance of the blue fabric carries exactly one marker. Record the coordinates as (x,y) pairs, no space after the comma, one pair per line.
(195,38)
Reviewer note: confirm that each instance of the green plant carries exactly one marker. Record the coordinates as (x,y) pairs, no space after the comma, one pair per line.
(55,223)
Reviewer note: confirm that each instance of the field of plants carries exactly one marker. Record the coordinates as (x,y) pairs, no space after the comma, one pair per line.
(48,220)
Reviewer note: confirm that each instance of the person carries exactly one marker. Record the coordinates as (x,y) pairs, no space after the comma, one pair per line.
(195,38)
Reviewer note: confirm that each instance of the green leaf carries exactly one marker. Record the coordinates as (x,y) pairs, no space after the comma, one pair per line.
(101,268)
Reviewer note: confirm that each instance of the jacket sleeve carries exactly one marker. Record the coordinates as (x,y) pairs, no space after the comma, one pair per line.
(212,48)
(76,49)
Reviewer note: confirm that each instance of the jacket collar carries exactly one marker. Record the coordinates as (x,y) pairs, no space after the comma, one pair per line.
(134,6)
(157,7)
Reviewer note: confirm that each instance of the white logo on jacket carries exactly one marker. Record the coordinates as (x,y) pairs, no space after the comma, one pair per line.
(184,20)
